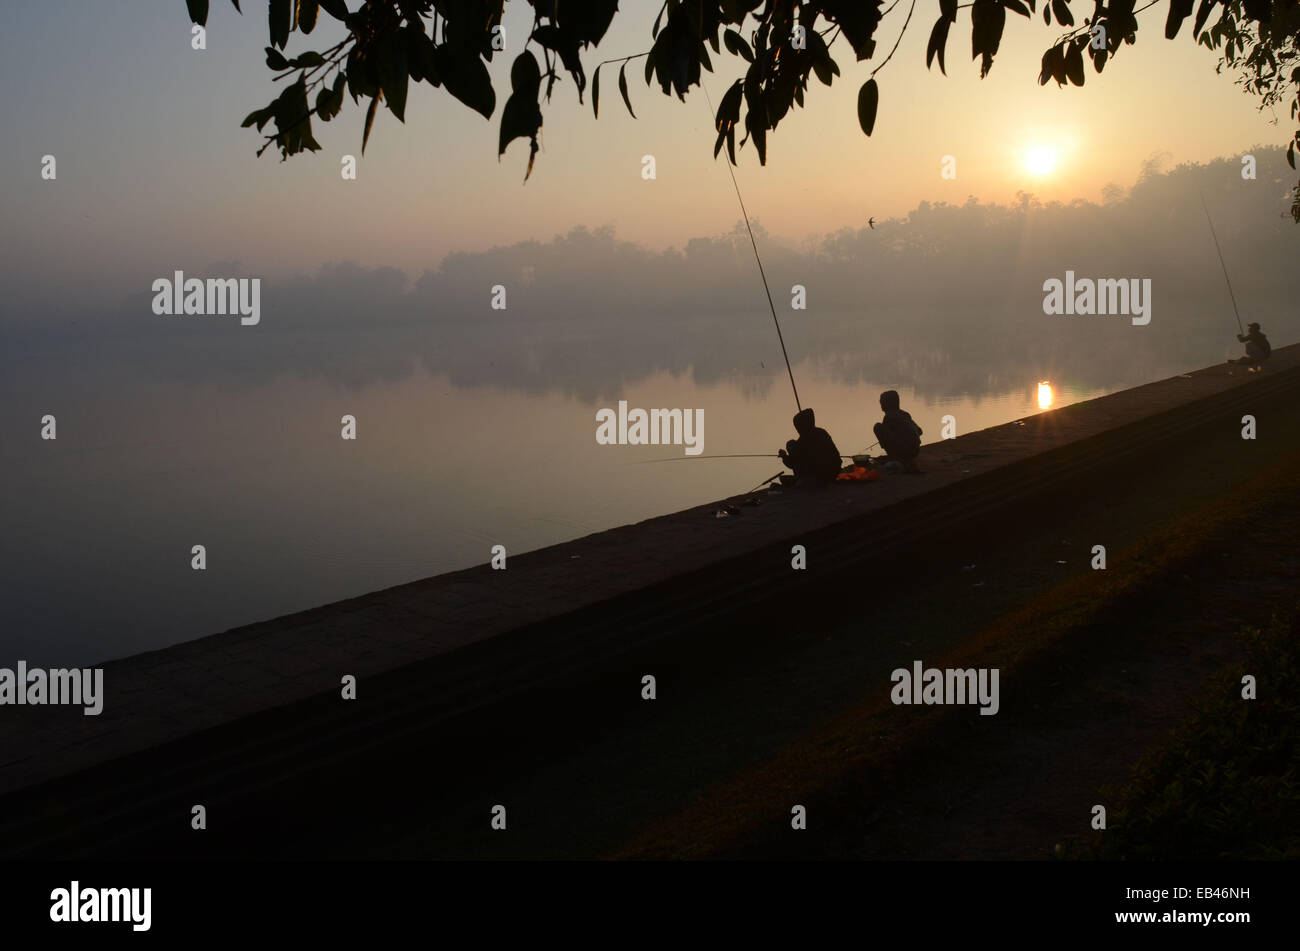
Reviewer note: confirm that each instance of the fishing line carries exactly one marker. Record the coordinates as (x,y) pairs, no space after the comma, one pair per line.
(724,455)
(759,259)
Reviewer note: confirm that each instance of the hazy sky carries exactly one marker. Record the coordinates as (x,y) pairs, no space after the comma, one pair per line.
(155,174)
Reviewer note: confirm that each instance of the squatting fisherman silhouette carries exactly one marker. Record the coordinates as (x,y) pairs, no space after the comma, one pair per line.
(898,433)
(1258,348)
(1257,345)
(813,456)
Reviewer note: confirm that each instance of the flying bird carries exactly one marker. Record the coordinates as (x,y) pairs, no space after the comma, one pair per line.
(872,223)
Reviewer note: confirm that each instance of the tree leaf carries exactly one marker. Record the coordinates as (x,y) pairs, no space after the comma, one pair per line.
(857,20)
(330,101)
(198,11)
(938,40)
(736,44)
(293,120)
(988,19)
(466,77)
(727,118)
(1258,10)
(335,8)
(566,45)
(1059,71)
(279,14)
(757,125)
(370,120)
(1121,24)
(584,20)
(1074,63)
(868,102)
(1202,14)
(525,74)
(394,74)
(420,55)
(595,93)
(1061,10)
(307,11)
(275,59)
(1046,71)
(520,119)
(622,88)
(948,9)
(1015,6)
(729,109)
(822,63)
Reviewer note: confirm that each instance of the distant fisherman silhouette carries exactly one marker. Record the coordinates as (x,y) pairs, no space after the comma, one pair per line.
(813,456)
(899,436)
(1257,348)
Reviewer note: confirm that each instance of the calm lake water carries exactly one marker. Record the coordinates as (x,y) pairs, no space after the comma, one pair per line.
(97,561)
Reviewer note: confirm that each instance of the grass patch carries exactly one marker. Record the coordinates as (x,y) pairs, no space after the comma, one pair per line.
(1226,785)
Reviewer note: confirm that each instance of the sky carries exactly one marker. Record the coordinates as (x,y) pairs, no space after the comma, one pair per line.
(155,174)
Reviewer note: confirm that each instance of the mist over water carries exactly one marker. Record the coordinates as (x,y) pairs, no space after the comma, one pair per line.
(477,426)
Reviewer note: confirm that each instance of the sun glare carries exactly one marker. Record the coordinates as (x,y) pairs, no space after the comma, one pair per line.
(1045,395)
(1041,159)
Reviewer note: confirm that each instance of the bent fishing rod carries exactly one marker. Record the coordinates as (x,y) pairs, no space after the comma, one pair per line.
(1240,328)
(759,259)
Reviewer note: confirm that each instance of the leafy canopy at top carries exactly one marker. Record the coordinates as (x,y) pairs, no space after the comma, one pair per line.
(784,45)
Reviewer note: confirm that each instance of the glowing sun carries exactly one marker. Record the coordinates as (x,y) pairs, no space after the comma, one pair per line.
(1040,159)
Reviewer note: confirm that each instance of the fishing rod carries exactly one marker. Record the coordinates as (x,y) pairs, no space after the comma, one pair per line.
(759,259)
(736,455)
(1221,264)
(765,482)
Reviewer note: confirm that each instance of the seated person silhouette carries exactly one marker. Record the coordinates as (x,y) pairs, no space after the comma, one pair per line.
(813,456)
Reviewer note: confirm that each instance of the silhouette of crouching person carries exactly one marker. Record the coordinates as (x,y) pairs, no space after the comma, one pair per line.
(1258,348)
(898,433)
(814,456)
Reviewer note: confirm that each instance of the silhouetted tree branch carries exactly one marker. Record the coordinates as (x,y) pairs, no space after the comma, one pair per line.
(784,43)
